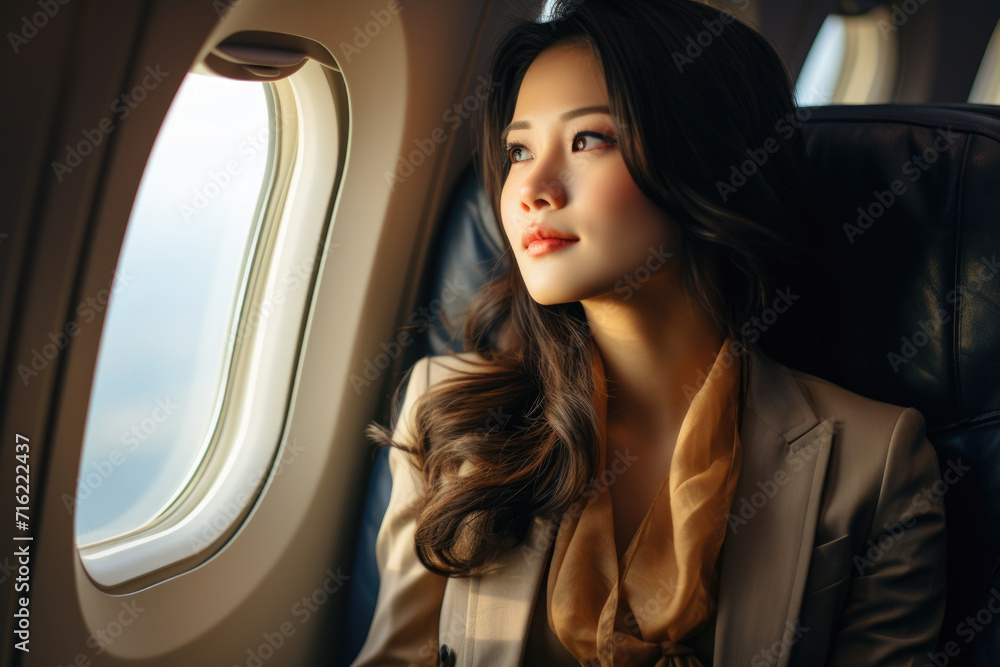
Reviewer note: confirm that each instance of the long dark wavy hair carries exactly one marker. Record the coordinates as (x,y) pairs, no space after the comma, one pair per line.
(688,119)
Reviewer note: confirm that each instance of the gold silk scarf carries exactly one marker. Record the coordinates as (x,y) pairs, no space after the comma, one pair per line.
(637,612)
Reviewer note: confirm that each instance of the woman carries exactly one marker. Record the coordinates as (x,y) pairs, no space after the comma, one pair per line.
(657,491)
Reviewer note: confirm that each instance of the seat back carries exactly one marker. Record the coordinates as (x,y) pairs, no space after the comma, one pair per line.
(912,226)
(910,315)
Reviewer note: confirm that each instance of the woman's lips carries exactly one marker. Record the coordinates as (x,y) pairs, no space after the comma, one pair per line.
(544,246)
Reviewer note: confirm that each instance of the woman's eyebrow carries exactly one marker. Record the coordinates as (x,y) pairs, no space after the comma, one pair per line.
(569,115)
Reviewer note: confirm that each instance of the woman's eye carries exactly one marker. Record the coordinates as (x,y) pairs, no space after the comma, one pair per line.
(586,141)
(517,153)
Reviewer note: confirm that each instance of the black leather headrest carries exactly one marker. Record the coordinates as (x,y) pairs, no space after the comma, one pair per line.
(912,229)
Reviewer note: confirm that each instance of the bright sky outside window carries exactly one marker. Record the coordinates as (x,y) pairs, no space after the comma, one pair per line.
(167,337)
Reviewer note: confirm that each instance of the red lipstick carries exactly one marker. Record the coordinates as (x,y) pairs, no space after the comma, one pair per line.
(539,240)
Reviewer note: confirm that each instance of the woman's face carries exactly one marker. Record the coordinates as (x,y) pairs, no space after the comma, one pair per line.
(567,179)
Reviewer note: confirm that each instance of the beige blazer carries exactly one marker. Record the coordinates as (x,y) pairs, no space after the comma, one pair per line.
(834,555)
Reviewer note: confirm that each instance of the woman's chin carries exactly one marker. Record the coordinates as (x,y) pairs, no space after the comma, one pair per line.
(552,297)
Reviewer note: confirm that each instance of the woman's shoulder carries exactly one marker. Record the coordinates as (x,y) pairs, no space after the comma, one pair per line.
(444,366)
(829,399)
(436,368)
(861,423)
(864,428)
(427,372)
(432,369)
(879,453)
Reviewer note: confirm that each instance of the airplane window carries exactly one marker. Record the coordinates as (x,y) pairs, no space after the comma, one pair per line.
(167,340)
(986,87)
(208,307)
(852,61)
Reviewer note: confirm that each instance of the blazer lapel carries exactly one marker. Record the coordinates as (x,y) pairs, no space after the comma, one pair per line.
(772,523)
(486,619)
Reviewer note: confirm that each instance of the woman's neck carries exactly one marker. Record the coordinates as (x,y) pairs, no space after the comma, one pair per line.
(656,348)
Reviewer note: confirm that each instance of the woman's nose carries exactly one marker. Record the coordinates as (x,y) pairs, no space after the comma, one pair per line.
(542,189)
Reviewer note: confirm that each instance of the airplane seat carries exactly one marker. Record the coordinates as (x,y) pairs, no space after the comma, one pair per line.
(910,315)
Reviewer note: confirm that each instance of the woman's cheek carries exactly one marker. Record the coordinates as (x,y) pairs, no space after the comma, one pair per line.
(633,217)
(614,189)
(508,217)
